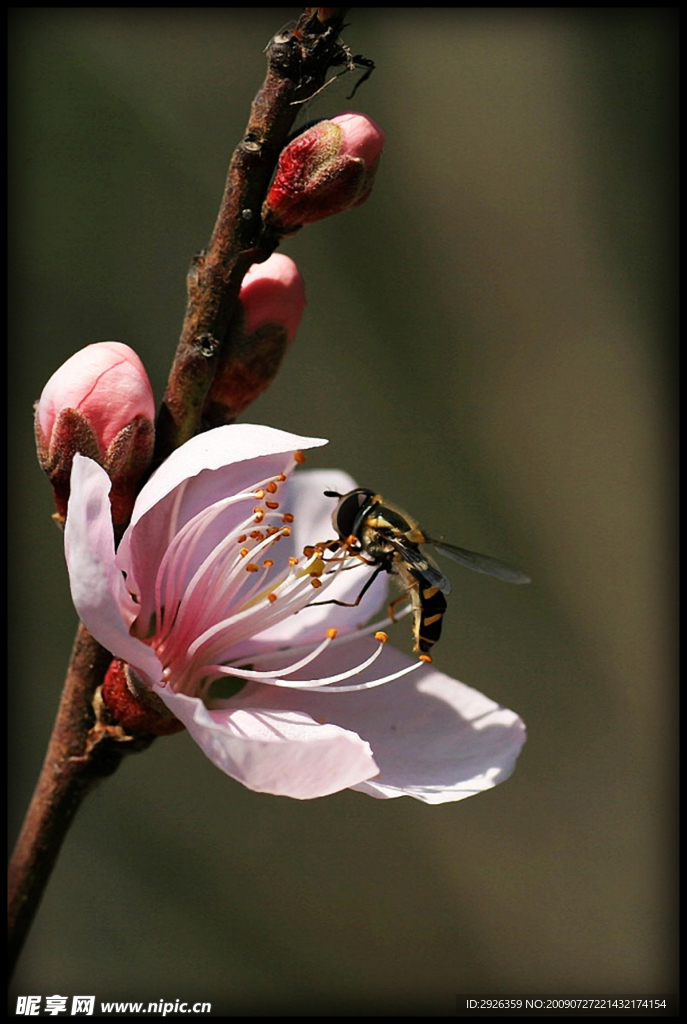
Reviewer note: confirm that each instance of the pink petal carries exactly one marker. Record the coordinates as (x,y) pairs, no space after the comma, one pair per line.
(98,591)
(362,138)
(281,752)
(220,449)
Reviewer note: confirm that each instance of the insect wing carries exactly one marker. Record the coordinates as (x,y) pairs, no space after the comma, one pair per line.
(481,563)
(420,565)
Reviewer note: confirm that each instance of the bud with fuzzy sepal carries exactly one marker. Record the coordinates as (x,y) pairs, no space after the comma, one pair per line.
(271,304)
(328,168)
(99,403)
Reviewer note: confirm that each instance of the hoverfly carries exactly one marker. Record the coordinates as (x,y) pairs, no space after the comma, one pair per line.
(390,540)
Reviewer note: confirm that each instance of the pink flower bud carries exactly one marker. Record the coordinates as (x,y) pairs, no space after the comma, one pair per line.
(273,293)
(272,299)
(326,169)
(99,403)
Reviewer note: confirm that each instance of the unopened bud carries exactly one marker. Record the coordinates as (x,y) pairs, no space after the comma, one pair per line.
(326,169)
(272,300)
(100,404)
(132,706)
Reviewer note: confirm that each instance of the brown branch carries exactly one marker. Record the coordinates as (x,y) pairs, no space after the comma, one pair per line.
(298,61)
(81,752)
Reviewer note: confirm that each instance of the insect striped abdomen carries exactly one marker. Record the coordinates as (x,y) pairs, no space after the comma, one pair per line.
(429,606)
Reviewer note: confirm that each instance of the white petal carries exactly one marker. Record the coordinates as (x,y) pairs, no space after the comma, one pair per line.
(282,752)
(456,743)
(433,737)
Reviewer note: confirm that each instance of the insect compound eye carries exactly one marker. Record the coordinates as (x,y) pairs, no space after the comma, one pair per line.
(348,510)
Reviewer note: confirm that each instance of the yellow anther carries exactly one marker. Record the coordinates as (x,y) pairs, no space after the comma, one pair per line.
(252,567)
(332,634)
(381,636)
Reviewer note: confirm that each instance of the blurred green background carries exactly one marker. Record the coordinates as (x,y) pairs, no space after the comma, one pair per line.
(489,342)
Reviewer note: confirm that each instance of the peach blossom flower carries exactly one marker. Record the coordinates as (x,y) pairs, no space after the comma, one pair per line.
(214,605)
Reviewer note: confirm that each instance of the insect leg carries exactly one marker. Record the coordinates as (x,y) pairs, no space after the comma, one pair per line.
(392,605)
(361,595)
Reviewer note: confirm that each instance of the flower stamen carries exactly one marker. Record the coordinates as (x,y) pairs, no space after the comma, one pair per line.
(324,684)
(232,610)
